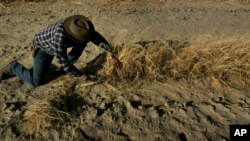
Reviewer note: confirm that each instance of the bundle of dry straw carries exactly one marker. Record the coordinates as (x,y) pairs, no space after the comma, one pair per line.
(142,60)
(45,112)
(227,61)
(38,117)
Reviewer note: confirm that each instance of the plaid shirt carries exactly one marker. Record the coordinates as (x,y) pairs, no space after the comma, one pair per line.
(53,41)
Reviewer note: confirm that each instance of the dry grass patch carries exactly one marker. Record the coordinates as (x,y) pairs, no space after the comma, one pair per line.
(145,60)
(227,62)
(39,116)
(51,109)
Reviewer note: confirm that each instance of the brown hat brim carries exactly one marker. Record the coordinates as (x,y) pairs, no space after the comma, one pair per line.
(77,33)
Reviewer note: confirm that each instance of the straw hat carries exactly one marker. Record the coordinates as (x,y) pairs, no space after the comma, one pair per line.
(79,28)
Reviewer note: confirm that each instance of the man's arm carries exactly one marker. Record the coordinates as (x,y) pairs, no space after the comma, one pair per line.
(67,67)
(75,53)
(100,41)
(61,54)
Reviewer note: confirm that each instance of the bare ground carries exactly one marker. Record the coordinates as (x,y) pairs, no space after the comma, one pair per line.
(172,110)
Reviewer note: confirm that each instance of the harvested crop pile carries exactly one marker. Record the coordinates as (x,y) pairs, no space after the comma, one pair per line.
(141,60)
(57,106)
(38,117)
(226,61)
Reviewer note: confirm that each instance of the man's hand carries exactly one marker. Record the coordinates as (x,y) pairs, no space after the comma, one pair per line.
(110,55)
(113,61)
(82,77)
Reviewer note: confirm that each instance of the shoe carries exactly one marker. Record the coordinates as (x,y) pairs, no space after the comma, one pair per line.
(5,73)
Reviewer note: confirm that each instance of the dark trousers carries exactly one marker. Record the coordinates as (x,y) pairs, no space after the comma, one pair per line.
(34,76)
(42,61)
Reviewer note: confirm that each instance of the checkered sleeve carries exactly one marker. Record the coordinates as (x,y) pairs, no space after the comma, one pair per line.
(61,54)
(100,41)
